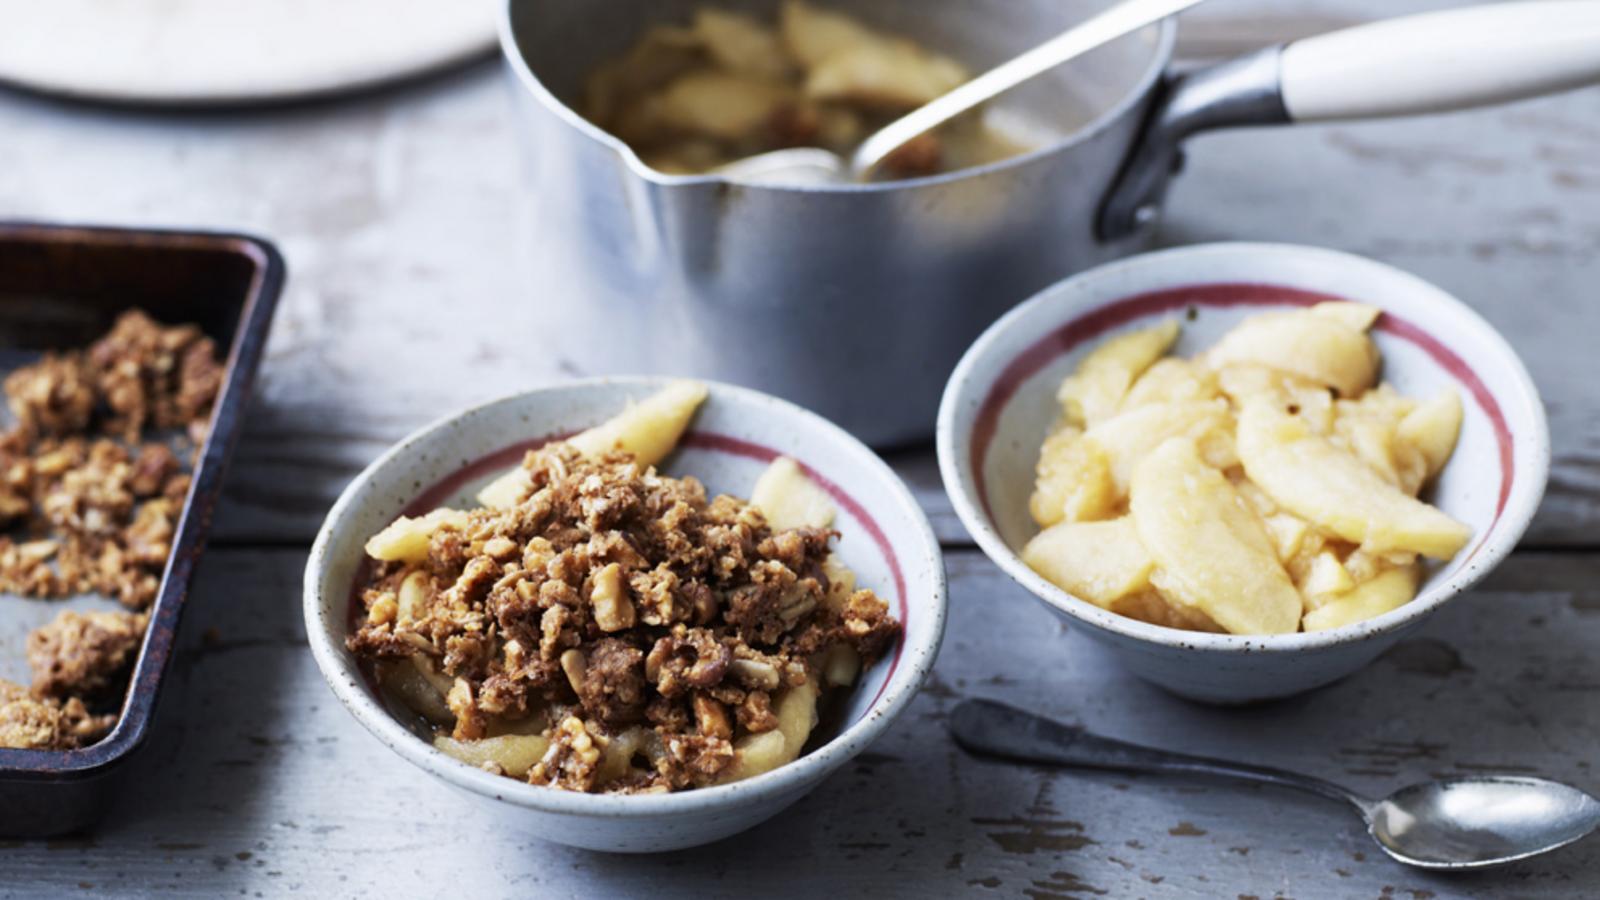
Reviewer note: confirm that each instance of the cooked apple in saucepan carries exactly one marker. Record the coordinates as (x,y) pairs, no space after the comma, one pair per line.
(1266,486)
(693,97)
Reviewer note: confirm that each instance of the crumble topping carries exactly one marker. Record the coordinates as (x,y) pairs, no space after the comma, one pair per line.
(28,722)
(84,653)
(650,627)
(89,503)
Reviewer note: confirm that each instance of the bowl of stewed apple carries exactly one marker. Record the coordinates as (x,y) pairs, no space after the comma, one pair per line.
(1248,469)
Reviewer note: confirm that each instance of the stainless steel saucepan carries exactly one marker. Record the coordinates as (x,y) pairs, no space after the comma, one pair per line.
(857,300)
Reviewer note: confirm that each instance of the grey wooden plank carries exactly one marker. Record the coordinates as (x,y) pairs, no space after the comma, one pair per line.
(258,781)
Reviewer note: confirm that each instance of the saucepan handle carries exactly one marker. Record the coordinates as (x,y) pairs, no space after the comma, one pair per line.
(1427,63)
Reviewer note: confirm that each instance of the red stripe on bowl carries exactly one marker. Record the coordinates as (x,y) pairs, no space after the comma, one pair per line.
(437,493)
(1215,296)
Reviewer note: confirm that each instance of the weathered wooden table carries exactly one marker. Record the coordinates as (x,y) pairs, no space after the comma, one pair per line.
(401,219)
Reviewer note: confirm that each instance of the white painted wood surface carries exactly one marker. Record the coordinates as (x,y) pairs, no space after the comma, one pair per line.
(400,216)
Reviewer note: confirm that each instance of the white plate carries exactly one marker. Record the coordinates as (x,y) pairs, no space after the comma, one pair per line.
(212,52)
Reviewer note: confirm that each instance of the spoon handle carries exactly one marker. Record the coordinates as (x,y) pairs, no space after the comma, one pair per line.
(994,729)
(1124,18)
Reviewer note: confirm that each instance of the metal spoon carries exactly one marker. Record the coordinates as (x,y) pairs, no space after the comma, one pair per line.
(813,165)
(1456,823)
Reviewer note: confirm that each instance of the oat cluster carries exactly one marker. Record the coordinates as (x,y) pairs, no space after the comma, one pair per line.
(89,503)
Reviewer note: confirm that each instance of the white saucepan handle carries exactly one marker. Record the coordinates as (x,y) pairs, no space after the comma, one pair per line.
(1441,61)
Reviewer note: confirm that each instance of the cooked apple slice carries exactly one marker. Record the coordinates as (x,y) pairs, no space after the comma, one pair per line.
(1334,490)
(407,682)
(840,664)
(812,34)
(1086,478)
(788,499)
(1312,402)
(650,429)
(1365,565)
(406,539)
(884,74)
(1390,589)
(1211,551)
(741,44)
(754,754)
(841,582)
(1100,562)
(796,709)
(1095,390)
(720,105)
(1325,577)
(1369,428)
(1149,606)
(1433,427)
(1171,380)
(515,754)
(1288,533)
(1355,316)
(1073,480)
(1318,347)
(1129,437)
(507,490)
(1371,440)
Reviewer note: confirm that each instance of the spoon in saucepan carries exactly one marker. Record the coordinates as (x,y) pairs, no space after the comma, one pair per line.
(813,165)
(1456,823)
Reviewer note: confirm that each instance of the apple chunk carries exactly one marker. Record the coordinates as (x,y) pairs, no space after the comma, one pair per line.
(1093,393)
(1210,550)
(1433,428)
(648,430)
(1100,562)
(1171,380)
(1129,437)
(406,539)
(1321,348)
(788,499)
(1073,480)
(1334,490)
(1390,589)
(812,34)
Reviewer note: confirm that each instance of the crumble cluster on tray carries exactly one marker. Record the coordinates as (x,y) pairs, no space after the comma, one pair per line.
(89,503)
(632,634)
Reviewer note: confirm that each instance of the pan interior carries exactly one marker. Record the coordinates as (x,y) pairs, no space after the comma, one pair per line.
(562,41)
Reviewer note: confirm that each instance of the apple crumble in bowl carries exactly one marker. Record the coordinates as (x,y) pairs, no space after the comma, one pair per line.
(597,632)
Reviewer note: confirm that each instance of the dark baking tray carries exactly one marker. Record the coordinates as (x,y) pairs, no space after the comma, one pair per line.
(61,287)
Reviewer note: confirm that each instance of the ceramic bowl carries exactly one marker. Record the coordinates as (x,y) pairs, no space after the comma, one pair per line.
(1000,401)
(884,537)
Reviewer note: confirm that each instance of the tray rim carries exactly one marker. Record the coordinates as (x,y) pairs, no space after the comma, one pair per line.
(194,523)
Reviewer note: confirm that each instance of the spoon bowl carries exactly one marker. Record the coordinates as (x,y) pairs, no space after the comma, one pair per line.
(1466,823)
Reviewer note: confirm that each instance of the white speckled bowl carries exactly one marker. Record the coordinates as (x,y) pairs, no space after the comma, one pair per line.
(885,538)
(1000,401)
